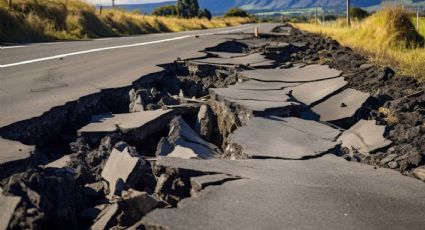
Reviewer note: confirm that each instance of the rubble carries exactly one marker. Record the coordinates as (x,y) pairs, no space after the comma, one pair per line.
(183,142)
(204,122)
(122,169)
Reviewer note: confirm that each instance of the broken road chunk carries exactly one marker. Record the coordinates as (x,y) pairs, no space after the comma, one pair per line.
(135,125)
(183,142)
(13,151)
(286,138)
(295,74)
(122,169)
(8,205)
(342,108)
(364,137)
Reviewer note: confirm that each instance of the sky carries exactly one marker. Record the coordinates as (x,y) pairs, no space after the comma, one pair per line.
(108,2)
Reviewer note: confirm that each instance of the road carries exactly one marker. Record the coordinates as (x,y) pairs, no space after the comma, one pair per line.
(36,77)
(291,181)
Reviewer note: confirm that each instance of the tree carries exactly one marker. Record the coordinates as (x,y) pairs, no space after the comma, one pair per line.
(193,8)
(187,8)
(236,12)
(205,14)
(358,13)
(165,11)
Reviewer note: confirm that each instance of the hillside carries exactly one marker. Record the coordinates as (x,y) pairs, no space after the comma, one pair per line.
(46,20)
(218,7)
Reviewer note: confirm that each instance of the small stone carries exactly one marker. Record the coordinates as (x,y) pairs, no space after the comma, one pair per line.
(393,164)
(415,159)
(140,203)
(204,123)
(419,173)
(388,159)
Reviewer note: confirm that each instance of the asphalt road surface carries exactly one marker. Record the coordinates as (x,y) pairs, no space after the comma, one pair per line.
(36,77)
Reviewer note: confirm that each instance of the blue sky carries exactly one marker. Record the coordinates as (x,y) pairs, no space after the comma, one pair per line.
(108,2)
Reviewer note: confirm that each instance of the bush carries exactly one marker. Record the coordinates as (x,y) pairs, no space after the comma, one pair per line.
(205,14)
(236,12)
(358,13)
(170,10)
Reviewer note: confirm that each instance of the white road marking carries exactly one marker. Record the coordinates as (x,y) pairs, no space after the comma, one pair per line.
(90,51)
(102,39)
(111,48)
(10,47)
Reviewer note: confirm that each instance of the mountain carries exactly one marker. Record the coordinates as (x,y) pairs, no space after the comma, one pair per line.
(218,7)
(145,8)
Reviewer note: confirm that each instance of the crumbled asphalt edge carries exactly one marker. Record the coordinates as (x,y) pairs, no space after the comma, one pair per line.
(55,197)
(398,101)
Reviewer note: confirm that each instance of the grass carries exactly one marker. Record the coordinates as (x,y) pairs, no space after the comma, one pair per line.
(421,25)
(388,37)
(47,20)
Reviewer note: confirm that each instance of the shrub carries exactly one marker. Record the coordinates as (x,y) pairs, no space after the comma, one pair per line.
(170,10)
(205,14)
(236,12)
(358,13)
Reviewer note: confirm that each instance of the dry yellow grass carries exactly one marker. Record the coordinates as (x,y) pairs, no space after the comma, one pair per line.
(386,38)
(44,20)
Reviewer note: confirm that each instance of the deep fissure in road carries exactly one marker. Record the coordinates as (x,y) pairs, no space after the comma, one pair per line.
(99,156)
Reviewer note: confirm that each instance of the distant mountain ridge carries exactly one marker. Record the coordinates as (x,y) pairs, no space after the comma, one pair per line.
(218,7)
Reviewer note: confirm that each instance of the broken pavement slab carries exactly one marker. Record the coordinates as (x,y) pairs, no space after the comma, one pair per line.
(257,102)
(140,203)
(121,168)
(184,142)
(340,107)
(59,163)
(297,195)
(105,217)
(364,137)
(139,124)
(14,151)
(252,60)
(312,92)
(285,138)
(305,74)
(259,85)
(8,205)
